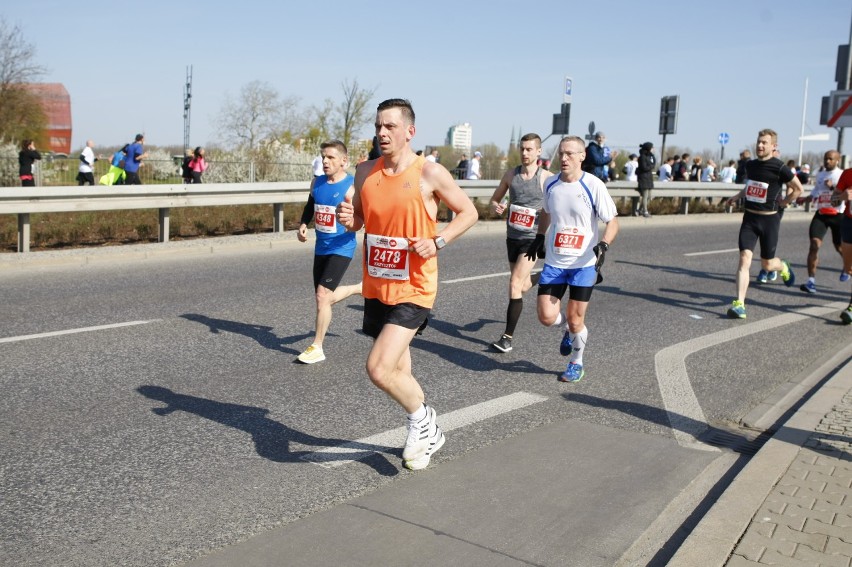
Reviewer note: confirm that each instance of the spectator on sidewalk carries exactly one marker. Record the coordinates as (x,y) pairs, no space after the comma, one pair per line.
(598,156)
(26,158)
(680,169)
(647,164)
(745,156)
(729,173)
(665,173)
(630,167)
(198,165)
(474,170)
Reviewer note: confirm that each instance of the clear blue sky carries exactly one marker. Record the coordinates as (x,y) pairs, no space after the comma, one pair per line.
(738,66)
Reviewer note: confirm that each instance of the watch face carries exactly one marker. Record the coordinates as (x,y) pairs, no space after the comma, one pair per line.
(440,242)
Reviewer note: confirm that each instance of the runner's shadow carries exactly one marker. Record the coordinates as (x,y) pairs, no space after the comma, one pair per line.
(455,331)
(711,435)
(476,361)
(272,439)
(260,333)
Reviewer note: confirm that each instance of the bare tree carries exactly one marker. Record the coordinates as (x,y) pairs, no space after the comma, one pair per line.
(255,115)
(354,112)
(21,114)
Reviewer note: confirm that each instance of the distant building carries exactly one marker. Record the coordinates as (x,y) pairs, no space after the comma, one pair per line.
(56,103)
(460,137)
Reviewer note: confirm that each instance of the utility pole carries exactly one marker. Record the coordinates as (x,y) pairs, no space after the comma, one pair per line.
(187,103)
(846,86)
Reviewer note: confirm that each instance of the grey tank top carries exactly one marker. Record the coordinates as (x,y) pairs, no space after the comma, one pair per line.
(525,193)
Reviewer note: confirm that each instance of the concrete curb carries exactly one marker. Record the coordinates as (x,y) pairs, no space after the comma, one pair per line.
(717,534)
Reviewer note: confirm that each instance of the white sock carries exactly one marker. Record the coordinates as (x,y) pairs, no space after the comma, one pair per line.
(812,280)
(578,342)
(419,414)
(559,320)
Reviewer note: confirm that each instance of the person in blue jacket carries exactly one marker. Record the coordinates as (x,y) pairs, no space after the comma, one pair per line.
(598,156)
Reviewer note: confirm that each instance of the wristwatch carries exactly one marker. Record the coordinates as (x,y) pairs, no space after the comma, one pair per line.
(439,242)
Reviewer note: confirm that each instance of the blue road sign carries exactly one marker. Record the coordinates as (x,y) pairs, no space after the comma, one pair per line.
(724,138)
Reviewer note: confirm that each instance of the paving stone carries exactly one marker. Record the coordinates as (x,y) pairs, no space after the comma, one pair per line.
(797,511)
(805,553)
(806,501)
(836,546)
(817,542)
(813,526)
(738,561)
(774,558)
(831,498)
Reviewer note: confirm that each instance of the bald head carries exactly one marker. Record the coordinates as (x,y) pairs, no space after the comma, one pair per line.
(831,159)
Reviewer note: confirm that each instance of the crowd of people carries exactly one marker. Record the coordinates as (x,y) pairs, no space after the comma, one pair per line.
(124,164)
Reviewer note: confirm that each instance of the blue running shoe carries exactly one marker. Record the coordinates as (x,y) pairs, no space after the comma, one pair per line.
(844,277)
(737,310)
(574,373)
(565,346)
(762,276)
(808,287)
(787,275)
(773,275)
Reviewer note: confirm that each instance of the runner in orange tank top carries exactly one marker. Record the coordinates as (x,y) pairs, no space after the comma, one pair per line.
(396,201)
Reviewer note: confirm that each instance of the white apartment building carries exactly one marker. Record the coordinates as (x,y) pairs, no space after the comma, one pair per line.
(460,137)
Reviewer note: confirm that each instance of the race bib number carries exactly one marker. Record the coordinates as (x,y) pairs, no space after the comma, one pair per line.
(387,257)
(825,204)
(521,218)
(756,191)
(569,241)
(324,219)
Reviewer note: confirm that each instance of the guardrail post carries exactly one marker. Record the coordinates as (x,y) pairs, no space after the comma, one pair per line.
(278,217)
(164,225)
(684,205)
(23,232)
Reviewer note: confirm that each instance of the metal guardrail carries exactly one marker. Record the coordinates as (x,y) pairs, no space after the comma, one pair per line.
(23,201)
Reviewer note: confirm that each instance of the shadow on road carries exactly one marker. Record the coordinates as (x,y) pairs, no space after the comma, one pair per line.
(271,439)
(260,333)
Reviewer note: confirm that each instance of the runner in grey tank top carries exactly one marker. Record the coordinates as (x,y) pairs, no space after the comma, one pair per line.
(525,187)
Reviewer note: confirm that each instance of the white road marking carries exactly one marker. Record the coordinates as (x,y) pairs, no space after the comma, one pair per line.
(485,276)
(72,331)
(685,415)
(713,252)
(470,279)
(395,438)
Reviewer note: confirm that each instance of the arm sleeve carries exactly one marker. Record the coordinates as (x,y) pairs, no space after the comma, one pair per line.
(308,211)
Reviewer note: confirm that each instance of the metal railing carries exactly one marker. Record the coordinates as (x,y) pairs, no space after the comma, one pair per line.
(23,201)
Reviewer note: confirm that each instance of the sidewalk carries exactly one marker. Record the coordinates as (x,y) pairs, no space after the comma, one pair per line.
(792,503)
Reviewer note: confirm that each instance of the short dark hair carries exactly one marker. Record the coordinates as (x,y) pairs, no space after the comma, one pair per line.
(401,103)
(337,144)
(139,137)
(531,137)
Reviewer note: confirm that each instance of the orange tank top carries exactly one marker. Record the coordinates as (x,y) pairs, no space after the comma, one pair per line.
(394,211)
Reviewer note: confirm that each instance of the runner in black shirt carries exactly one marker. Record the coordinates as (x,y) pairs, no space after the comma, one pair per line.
(761,221)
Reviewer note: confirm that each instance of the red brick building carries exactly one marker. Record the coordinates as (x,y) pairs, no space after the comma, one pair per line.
(56,103)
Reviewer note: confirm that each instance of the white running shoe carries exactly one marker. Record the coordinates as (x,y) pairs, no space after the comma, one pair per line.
(312,354)
(424,438)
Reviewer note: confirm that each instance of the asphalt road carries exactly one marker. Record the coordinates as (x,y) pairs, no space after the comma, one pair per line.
(153,411)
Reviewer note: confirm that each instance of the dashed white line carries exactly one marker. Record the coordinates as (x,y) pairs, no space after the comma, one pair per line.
(470,279)
(394,438)
(726,251)
(73,331)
